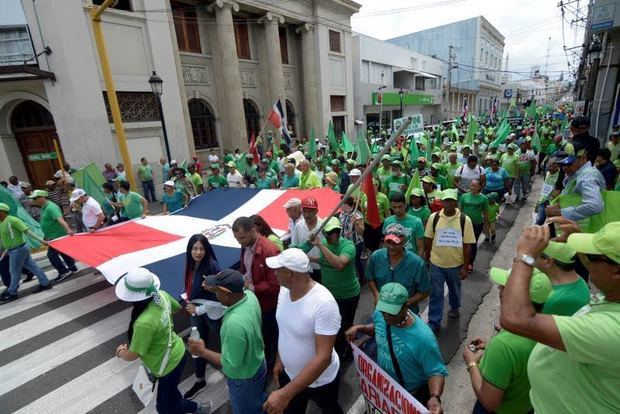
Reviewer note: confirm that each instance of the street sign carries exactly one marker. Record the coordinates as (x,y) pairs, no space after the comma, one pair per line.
(417,124)
(42,156)
(507,93)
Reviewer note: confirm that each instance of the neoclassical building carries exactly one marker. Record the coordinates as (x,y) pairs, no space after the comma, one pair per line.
(223,64)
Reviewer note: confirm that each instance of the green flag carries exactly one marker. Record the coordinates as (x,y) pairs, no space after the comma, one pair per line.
(536,139)
(16,209)
(414,154)
(91,180)
(429,147)
(242,164)
(454,132)
(311,146)
(438,139)
(472,130)
(332,142)
(346,146)
(501,133)
(563,126)
(415,183)
(531,111)
(363,152)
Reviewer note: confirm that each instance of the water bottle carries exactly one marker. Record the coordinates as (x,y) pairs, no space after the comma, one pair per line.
(194,335)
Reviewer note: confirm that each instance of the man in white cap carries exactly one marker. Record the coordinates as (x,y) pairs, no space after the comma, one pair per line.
(234,178)
(307,367)
(293,211)
(92,215)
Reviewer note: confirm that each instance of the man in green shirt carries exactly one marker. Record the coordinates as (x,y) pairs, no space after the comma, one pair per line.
(384,171)
(440,180)
(195,178)
(308,178)
(13,244)
(414,230)
(451,168)
(54,226)
(397,182)
(145,173)
(216,180)
(243,357)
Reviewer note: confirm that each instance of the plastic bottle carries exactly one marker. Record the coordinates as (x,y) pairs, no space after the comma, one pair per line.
(194,335)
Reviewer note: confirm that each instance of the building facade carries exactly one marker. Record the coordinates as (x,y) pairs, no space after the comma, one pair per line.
(402,73)
(473,51)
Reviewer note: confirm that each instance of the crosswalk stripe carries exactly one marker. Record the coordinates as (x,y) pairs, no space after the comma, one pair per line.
(50,272)
(30,366)
(54,318)
(30,301)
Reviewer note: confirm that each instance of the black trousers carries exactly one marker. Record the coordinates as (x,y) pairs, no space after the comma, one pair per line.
(326,397)
(477,232)
(347,308)
(372,236)
(270,336)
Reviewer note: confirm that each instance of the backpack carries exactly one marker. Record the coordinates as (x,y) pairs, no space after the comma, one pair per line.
(461,219)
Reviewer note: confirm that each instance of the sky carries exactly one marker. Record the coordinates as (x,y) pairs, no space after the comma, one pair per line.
(525,24)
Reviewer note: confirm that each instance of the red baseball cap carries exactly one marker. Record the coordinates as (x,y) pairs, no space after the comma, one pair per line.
(309,202)
(393,237)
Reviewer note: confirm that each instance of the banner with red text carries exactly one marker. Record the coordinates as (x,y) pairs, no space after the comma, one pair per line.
(383,394)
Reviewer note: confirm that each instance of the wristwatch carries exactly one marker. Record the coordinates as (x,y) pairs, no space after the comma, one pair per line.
(526,258)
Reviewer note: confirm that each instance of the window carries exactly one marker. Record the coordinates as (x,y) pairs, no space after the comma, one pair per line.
(252,118)
(338,125)
(203,124)
(334,41)
(419,83)
(283,45)
(186,27)
(431,83)
(337,103)
(120,4)
(15,46)
(242,38)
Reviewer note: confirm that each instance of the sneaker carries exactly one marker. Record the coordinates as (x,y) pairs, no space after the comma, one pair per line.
(493,239)
(29,277)
(487,240)
(453,313)
(63,276)
(197,387)
(7,297)
(74,269)
(41,288)
(205,407)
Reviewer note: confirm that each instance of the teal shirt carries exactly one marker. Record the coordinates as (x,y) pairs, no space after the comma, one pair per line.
(290,182)
(414,229)
(173,202)
(416,349)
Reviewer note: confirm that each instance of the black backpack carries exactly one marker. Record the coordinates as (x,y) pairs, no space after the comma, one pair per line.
(461,219)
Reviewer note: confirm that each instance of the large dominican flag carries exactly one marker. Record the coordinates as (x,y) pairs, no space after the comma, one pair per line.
(159,242)
(278,120)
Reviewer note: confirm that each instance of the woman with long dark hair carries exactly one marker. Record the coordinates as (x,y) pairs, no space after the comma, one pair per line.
(200,261)
(265,230)
(152,339)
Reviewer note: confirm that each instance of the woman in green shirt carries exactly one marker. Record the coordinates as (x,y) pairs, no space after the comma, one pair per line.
(264,229)
(418,206)
(133,204)
(152,339)
(475,205)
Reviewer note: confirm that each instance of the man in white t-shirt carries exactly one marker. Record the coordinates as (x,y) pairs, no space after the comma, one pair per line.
(92,215)
(465,174)
(303,228)
(234,178)
(307,367)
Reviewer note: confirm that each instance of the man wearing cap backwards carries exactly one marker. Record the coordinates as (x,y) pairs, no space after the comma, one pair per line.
(92,215)
(400,332)
(394,263)
(152,339)
(449,240)
(414,229)
(172,198)
(575,368)
(526,168)
(579,128)
(571,292)
(498,368)
(234,178)
(13,244)
(307,367)
(308,178)
(583,180)
(440,180)
(301,233)
(54,226)
(451,168)
(242,358)
(255,249)
(216,180)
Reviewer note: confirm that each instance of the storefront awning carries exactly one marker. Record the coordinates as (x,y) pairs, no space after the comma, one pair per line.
(13,73)
(425,75)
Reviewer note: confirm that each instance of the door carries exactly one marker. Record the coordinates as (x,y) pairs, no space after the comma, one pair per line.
(39,155)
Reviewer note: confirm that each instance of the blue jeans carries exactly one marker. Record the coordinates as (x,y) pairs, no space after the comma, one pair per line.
(522,185)
(20,258)
(439,276)
(148,188)
(247,396)
(169,398)
(54,257)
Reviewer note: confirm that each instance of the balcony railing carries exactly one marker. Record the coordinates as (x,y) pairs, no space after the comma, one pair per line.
(16,46)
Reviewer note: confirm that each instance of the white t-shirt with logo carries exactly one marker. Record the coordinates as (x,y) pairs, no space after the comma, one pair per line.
(90,210)
(298,322)
(235,180)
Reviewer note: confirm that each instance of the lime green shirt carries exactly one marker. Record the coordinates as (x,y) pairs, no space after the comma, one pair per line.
(504,365)
(450,171)
(343,284)
(196,179)
(309,180)
(242,338)
(145,172)
(473,206)
(52,229)
(217,181)
(276,240)
(150,337)
(510,163)
(568,298)
(132,205)
(493,212)
(12,232)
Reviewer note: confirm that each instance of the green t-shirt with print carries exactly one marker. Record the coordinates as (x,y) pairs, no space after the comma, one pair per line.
(12,232)
(473,206)
(132,205)
(393,185)
(217,181)
(52,229)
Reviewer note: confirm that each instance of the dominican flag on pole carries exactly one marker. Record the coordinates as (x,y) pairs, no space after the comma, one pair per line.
(465,109)
(278,120)
(494,108)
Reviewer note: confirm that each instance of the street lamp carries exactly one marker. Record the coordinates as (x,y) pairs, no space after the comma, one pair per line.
(157,88)
(401,93)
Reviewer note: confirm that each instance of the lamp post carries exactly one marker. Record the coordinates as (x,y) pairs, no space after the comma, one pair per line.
(401,93)
(157,88)
(594,59)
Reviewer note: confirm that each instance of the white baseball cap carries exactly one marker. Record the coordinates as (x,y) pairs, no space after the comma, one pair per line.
(77,193)
(293,259)
(355,172)
(293,202)
(138,284)
(169,183)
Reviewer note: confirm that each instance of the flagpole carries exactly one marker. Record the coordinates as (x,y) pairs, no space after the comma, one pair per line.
(367,170)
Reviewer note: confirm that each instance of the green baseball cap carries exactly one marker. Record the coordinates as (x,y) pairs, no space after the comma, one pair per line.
(392,297)
(231,164)
(540,285)
(215,166)
(37,194)
(428,179)
(417,192)
(332,224)
(560,252)
(604,242)
(436,166)
(492,196)
(396,162)
(351,161)
(335,162)
(450,194)
(386,157)
(4,207)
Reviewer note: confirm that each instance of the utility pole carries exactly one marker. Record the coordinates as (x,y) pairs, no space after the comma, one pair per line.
(547,69)
(450,64)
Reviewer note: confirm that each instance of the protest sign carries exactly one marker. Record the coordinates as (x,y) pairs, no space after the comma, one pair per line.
(383,394)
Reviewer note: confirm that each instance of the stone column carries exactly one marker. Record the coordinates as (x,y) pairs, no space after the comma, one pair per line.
(275,77)
(310,85)
(227,78)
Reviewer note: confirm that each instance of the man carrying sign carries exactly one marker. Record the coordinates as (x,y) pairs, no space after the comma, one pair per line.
(449,239)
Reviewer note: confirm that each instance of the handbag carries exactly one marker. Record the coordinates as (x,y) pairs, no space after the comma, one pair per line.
(145,381)
(399,373)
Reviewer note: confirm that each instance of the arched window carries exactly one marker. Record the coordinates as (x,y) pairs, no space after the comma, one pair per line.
(30,114)
(203,124)
(290,117)
(252,118)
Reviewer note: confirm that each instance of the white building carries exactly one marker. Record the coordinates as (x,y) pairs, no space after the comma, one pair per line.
(419,77)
